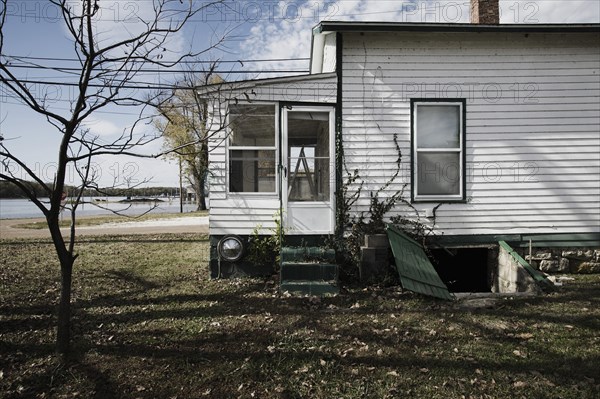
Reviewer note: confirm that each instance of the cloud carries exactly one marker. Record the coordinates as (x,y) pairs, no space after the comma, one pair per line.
(101,127)
(284,30)
(123,171)
(551,11)
(120,20)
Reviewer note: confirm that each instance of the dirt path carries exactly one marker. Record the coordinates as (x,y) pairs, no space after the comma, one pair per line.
(196,224)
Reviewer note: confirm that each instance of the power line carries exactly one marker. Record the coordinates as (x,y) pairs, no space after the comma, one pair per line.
(73,70)
(97,85)
(68,109)
(68,70)
(132,85)
(238,16)
(24,57)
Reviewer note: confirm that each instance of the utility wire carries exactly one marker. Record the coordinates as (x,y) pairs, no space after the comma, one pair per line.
(237,16)
(68,109)
(97,85)
(67,70)
(133,85)
(24,57)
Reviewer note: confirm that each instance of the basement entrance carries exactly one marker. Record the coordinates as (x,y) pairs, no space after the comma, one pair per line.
(463,269)
(497,269)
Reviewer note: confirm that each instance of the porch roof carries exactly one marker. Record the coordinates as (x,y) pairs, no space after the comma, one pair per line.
(250,83)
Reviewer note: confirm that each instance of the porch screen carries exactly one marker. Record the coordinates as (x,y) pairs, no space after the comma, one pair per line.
(308,156)
(252,148)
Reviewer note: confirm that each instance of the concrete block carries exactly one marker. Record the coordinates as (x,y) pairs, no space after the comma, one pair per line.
(374,264)
(374,254)
(377,241)
(512,277)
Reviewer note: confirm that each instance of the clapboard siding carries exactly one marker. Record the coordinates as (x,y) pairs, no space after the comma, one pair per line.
(532,128)
(242,213)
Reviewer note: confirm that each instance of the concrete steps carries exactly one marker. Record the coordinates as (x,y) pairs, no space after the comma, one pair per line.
(309,271)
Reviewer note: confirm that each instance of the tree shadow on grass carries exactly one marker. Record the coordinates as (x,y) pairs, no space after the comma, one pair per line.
(144,322)
(132,278)
(63,378)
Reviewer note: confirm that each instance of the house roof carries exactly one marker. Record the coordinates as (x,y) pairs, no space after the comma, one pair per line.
(328,27)
(341,26)
(325,27)
(250,83)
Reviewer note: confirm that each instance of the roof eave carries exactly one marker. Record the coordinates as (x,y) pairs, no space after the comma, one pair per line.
(250,83)
(339,26)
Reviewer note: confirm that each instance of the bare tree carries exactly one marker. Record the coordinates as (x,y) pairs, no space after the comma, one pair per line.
(105,74)
(184,126)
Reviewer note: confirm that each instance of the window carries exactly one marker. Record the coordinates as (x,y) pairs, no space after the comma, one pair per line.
(252,166)
(308,156)
(438,155)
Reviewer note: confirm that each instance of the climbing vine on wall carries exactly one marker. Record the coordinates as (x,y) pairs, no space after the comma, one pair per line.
(353,226)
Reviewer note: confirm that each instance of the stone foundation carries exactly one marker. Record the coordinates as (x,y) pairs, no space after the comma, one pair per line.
(564,260)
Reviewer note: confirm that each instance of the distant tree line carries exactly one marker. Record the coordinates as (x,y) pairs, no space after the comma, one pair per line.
(9,190)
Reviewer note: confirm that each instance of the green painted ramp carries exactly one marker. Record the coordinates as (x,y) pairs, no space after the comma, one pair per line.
(416,272)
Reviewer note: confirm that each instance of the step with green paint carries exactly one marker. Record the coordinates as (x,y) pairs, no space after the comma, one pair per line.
(317,288)
(309,271)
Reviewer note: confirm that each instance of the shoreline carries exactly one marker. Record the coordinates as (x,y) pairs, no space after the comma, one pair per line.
(19,208)
(186,224)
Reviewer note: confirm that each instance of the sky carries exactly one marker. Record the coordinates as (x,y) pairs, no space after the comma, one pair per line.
(253,30)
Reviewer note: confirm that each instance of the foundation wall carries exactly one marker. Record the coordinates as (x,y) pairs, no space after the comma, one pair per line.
(563,260)
(511,276)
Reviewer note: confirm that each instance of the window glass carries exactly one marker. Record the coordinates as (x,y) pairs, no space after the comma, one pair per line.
(438,173)
(438,126)
(252,171)
(252,125)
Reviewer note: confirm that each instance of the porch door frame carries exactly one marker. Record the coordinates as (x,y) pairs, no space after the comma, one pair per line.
(307,217)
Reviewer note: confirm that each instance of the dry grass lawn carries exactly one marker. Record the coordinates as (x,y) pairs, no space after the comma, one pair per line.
(149,324)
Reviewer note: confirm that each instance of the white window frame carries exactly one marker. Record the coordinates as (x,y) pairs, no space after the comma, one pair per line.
(416,197)
(229,148)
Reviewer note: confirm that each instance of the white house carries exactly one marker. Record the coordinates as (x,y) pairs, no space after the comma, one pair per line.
(491,131)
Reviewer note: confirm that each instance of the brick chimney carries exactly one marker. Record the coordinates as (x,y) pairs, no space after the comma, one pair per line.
(485,12)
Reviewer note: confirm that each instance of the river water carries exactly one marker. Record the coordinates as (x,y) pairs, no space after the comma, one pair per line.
(22,208)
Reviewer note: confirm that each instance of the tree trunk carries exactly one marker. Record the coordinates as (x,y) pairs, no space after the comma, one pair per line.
(202,174)
(66,259)
(199,189)
(63,335)
(201,199)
